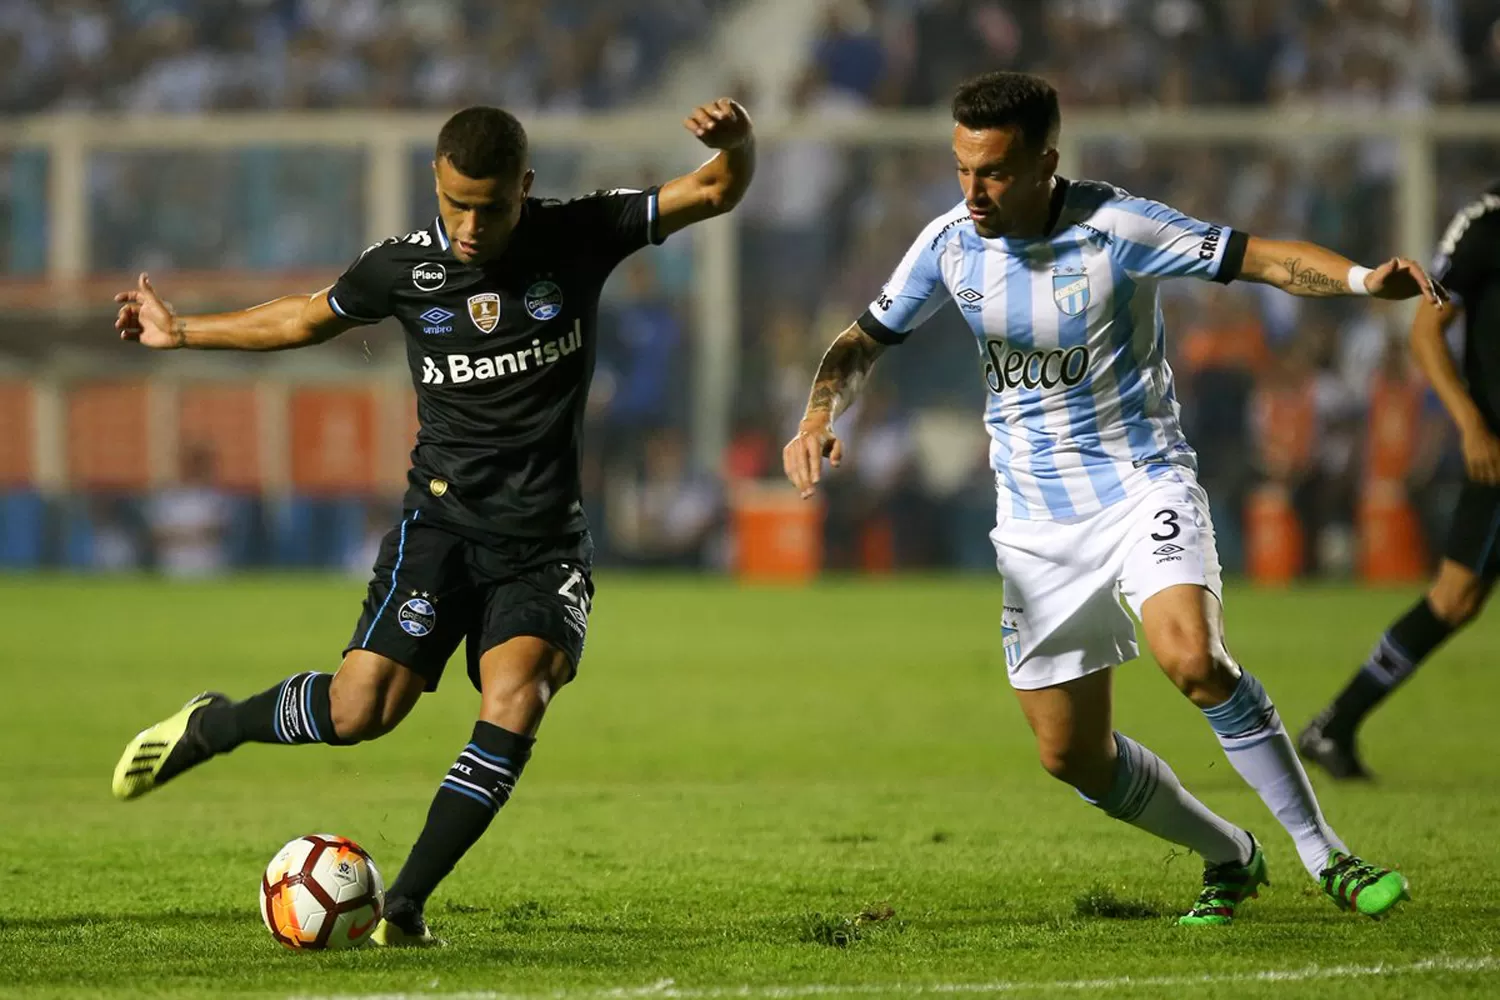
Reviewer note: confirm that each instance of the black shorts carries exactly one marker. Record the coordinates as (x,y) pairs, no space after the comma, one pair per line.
(433,589)
(1474,538)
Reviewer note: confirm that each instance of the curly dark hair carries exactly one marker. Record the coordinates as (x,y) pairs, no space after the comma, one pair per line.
(1000,100)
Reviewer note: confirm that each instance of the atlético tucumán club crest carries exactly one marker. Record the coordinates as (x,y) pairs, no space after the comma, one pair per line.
(1010,641)
(484,310)
(1071,293)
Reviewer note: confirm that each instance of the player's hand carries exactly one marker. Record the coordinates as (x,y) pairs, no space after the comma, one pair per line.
(723,124)
(802,458)
(1400,278)
(1482,455)
(147,318)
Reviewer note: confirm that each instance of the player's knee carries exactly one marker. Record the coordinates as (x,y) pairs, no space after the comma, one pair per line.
(516,691)
(1457,604)
(361,714)
(1087,769)
(356,722)
(1202,674)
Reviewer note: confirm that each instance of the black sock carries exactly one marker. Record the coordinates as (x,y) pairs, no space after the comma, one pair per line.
(1395,657)
(478,784)
(295,711)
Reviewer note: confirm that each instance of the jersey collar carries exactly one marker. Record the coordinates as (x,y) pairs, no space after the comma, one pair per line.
(1054,212)
(1055,208)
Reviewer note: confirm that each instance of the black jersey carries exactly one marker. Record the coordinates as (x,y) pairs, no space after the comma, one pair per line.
(1468,264)
(501,354)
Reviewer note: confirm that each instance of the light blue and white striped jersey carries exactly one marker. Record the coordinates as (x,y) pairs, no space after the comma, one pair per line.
(1081,410)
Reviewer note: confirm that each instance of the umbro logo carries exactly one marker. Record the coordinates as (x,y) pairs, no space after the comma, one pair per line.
(968,295)
(436,319)
(1168,549)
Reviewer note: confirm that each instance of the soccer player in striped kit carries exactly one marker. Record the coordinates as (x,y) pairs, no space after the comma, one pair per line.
(1097,487)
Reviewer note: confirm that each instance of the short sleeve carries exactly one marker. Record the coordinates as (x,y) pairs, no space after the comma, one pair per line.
(363,292)
(1152,240)
(914,292)
(615,224)
(1466,254)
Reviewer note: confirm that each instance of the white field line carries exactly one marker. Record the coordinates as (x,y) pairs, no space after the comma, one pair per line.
(668,990)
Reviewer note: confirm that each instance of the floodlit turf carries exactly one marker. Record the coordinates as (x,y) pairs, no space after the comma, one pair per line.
(793,792)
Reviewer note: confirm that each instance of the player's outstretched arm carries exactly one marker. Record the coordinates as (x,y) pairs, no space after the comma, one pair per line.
(1429,345)
(718,185)
(1307,269)
(287,322)
(843,370)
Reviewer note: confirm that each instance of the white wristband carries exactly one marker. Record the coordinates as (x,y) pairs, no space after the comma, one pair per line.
(1357,276)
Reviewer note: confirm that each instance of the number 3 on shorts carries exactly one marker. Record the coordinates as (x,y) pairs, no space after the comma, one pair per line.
(1170,529)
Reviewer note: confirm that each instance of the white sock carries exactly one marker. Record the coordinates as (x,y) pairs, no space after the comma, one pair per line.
(1147,794)
(1258,746)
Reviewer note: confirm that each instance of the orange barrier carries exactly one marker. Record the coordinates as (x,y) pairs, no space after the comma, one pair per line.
(333,440)
(17,435)
(1391,545)
(107,436)
(777,535)
(1392,429)
(1273,536)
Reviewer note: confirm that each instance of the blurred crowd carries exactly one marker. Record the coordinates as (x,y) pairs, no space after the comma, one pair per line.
(1117,53)
(551,55)
(229,55)
(1279,394)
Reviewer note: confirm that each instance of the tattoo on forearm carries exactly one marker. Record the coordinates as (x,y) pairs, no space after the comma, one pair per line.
(1311,278)
(845,365)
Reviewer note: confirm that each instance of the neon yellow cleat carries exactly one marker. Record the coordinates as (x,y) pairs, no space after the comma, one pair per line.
(408,931)
(161,752)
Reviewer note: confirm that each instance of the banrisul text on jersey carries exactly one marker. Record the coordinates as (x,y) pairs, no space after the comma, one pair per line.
(501,354)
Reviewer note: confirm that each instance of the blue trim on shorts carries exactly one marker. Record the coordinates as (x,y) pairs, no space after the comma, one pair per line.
(400,553)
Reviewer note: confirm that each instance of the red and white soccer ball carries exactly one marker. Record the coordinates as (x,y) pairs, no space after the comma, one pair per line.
(321,891)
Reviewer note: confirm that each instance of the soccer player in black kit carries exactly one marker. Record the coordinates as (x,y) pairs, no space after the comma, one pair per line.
(498,299)
(1468,264)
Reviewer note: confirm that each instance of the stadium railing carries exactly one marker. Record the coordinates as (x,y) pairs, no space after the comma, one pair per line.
(54,265)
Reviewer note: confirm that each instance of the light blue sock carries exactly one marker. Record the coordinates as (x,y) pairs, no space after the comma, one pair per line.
(1257,744)
(1146,794)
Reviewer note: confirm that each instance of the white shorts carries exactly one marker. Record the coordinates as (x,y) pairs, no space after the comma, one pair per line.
(1064,579)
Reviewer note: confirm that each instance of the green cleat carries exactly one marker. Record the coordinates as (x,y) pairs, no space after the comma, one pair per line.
(1360,887)
(1225,887)
(161,752)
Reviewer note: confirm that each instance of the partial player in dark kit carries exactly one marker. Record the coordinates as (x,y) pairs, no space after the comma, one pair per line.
(1468,264)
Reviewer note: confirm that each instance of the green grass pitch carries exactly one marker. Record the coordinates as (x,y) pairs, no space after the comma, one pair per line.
(738,774)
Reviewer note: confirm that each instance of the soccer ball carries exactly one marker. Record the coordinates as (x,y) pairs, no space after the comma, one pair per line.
(321,891)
